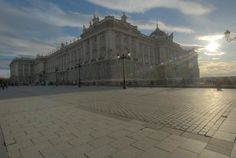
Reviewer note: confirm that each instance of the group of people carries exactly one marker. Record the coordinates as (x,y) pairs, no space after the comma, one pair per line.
(3,85)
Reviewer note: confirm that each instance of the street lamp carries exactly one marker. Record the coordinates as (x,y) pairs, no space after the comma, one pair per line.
(79,66)
(67,76)
(44,78)
(56,70)
(228,38)
(123,57)
(40,79)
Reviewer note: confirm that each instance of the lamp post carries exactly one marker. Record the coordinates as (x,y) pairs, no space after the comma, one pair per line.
(43,78)
(79,66)
(227,36)
(123,57)
(40,78)
(67,76)
(56,70)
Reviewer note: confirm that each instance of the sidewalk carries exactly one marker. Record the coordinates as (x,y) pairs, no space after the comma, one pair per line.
(37,127)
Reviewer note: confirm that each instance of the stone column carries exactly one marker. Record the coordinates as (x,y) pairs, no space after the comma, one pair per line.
(111,44)
(129,44)
(113,47)
(98,46)
(121,43)
(107,44)
(90,49)
(149,55)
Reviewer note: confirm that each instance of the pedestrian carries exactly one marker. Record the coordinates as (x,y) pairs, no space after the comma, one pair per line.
(2,85)
(218,85)
(6,85)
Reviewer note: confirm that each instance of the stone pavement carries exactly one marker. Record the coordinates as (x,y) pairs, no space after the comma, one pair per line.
(199,111)
(63,125)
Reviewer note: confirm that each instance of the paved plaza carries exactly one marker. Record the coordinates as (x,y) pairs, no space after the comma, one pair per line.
(93,122)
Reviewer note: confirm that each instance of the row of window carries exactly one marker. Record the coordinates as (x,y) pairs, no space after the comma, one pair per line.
(89,51)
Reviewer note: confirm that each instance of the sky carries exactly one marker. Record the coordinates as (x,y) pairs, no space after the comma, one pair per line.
(32,27)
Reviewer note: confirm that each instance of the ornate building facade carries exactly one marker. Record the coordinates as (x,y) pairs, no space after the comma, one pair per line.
(21,71)
(93,58)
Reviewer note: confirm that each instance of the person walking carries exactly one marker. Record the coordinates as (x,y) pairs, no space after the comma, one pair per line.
(0,84)
(6,85)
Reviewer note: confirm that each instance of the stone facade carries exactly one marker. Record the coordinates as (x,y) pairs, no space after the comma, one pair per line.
(21,71)
(154,59)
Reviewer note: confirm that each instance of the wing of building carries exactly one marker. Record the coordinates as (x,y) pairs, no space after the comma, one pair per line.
(93,58)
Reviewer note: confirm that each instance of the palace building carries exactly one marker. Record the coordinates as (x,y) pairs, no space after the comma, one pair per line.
(93,58)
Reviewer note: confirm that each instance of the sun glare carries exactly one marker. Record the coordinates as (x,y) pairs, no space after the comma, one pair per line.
(212,46)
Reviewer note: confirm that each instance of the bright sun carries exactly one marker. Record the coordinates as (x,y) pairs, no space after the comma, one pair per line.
(212,46)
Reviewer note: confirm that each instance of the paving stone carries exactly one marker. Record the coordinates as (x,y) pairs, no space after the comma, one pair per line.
(219,149)
(211,154)
(56,141)
(145,144)
(139,135)
(156,126)
(123,142)
(233,154)
(10,141)
(118,134)
(63,147)
(100,133)
(78,150)
(178,138)
(127,152)
(154,152)
(172,131)
(196,137)
(221,143)
(81,140)
(225,136)
(25,144)
(101,152)
(159,135)
(194,146)
(13,151)
(231,128)
(169,145)
(31,153)
(39,140)
(180,153)
(149,130)
(13,148)
(101,141)
(56,117)
(52,153)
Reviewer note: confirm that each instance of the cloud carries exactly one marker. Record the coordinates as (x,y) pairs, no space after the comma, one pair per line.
(207,52)
(5,60)
(212,44)
(19,46)
(210,38)
(190,46)
(4,73)
(35,29)
(151,25)
(53,15)
(217,68)
(188,7)
(214,53)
